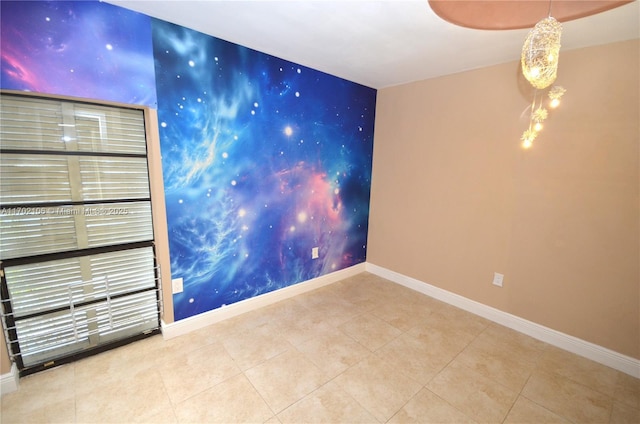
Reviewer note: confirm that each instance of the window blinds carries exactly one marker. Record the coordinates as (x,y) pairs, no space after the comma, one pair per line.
(76,235)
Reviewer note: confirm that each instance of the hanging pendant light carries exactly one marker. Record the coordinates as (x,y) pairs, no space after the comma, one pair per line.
(539,60)
(540,53)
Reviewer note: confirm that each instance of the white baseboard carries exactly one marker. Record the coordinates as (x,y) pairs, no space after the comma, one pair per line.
(184,326)
(9,381)
(572,344)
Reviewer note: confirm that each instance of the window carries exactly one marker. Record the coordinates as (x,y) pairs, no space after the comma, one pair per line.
(78,268)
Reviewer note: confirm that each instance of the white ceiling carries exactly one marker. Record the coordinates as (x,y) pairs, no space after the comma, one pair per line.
(375,43)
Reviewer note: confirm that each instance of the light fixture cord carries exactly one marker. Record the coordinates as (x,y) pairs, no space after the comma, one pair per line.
(533,108)
(549,9)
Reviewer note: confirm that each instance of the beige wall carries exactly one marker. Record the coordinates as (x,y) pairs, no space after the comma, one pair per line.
(455,197)
(5,363)
(160,231)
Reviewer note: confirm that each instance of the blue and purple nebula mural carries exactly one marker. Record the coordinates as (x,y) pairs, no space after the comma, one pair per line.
(263,160)
(77,48)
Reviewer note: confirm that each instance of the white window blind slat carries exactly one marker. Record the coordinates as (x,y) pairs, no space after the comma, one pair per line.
(92,129)
(45,178)
(50,336)
(42,230)
(57,334)
(74,187)
(44,131)
(47,285)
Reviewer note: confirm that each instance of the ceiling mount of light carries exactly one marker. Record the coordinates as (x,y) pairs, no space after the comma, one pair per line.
(516,14)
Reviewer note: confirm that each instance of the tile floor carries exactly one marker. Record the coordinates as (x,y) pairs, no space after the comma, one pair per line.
(363,350)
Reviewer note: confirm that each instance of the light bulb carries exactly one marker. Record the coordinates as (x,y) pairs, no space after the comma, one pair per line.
(555,94)
(539,58)
(537,127)
(527,138)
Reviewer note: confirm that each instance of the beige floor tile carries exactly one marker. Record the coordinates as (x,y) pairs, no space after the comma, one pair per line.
(223,329)
(513,341)
(424,301)
(315,298)
(285,311)
(370,331)
(21,409)
(172,349)
(579,369)
(418,358)
(242,323)
(305,330)
(425,350)
(42,390)
(328,404)
(255,345)
(371,291)
(129,400)
(124,362)
(449,340)
(472,393)
(427,407)
(627,390)
(304,327)
(156,349)
(451,319)
(527,412)
(103,369)
(494,361)
(624,414)
(285,379)
(296,359)
(446,342)
(166,415)
(333,352)
(233,401)
(188,342)
(329,308)
(403,315)
(197,371)
(358,291)
(567,398)
(411,299)
(378,387)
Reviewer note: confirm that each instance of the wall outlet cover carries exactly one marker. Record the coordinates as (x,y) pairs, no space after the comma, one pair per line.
(177,285)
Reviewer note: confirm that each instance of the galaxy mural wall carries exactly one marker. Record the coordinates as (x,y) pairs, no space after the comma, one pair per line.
(263,160)
(77,48)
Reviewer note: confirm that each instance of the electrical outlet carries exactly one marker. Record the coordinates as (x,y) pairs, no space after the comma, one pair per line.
(315,253)
(177,285)
(497,279)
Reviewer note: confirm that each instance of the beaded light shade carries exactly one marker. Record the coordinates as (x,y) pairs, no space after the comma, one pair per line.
(540,53)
